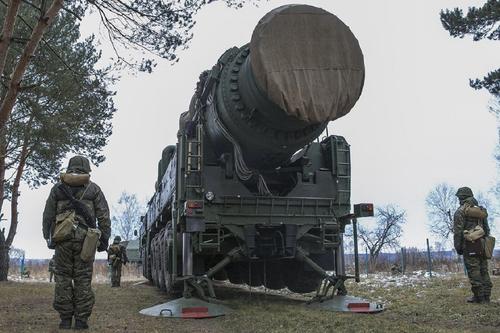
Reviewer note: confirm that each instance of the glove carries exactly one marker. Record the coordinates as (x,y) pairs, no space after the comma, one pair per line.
(103,245)
(50,244)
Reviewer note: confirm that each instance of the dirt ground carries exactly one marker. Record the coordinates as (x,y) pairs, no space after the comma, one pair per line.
(412,305)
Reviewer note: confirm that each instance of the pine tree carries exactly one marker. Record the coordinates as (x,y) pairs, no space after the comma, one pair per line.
(480,23)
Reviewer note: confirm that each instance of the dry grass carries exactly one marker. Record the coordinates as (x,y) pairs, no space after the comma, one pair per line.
(427,305)
(39,271)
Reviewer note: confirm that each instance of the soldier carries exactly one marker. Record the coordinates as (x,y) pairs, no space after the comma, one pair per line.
(473,251)
(78,200)
(117,255)
(395,269)
(52,265)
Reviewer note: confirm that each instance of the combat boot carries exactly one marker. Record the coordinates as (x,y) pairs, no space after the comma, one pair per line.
(81,324)
(475,299)
(65,324)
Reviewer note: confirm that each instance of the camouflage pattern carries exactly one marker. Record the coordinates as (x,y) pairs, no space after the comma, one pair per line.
(73,293)
(78,164)
(93,198)
(464,193)
(117,255)
(477,271)
(477,266)
(52,268)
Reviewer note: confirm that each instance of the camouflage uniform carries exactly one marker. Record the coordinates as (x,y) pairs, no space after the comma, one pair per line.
(476,265)
(73,292)
(117,255)
(52,265)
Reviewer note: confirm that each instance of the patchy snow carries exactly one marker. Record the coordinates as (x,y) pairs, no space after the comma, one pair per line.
(17,278)
(384,280)
(100,279)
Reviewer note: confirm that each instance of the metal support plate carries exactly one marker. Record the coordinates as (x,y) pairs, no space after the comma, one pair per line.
(347,304)
(186,308)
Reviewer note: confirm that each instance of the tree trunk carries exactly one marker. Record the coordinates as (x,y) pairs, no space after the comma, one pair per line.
(4,249)
(3,155)
(4,259)
(17,182)
(6,107)
(8,27)
(5,244)
(15,82)
(372,262)
(15,196)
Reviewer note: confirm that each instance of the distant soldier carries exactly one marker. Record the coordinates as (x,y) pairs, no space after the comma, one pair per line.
(25,272)
(52,266)
(395,269)
(117,255)
(466,223)
(70,214)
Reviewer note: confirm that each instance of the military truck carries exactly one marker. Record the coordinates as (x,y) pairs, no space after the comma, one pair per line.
(250,193)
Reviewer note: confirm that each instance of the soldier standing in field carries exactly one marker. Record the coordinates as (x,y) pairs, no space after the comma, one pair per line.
(52,265)
(117,255)
(464,224)
(70,213)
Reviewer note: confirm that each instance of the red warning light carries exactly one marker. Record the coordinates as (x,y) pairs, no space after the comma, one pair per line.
(363,210)
(194,204)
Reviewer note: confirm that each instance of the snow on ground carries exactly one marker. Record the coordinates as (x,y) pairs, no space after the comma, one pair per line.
(96,279)
(413,279)
(17,278)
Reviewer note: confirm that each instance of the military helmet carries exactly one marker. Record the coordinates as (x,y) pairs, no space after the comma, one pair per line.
(117,240)
(79,164)
(464,193)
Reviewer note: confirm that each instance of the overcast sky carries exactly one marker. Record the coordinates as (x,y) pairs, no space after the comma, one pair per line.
(417,123)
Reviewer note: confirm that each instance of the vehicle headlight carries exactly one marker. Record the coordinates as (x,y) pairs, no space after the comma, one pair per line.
(210,196)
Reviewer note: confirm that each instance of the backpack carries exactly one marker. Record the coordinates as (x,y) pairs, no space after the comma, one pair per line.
(66,221)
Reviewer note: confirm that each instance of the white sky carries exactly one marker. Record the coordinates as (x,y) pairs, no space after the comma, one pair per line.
(416,124)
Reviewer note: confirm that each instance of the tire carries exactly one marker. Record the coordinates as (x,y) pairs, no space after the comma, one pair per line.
(298,280)
(161,261)
(252,273)
(274,275)
(234,273)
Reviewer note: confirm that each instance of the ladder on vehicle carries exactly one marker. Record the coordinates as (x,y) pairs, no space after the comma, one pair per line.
(342,160)
(194,165)
(329,233)
(210,239)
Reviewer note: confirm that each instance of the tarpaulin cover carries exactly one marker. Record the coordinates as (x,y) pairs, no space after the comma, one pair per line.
(308,62)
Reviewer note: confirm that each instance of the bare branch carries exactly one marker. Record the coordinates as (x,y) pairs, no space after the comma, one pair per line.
(386,233)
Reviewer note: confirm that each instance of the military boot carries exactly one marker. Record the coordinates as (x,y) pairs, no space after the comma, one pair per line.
(65,324)
(475,299)
(81,324)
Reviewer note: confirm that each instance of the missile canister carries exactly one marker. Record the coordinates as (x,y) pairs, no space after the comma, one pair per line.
(302,68)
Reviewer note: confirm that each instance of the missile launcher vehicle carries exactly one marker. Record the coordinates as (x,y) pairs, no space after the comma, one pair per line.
(250,193)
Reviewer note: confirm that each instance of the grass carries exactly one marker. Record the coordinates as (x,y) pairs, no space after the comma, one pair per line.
(431,305)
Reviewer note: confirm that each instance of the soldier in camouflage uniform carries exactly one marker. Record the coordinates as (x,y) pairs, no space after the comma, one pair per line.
(52,268)
(117,255)
(475,263)
(73,293)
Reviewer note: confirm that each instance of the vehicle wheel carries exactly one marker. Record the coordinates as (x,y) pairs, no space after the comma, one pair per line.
(298,280)
(274,275)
